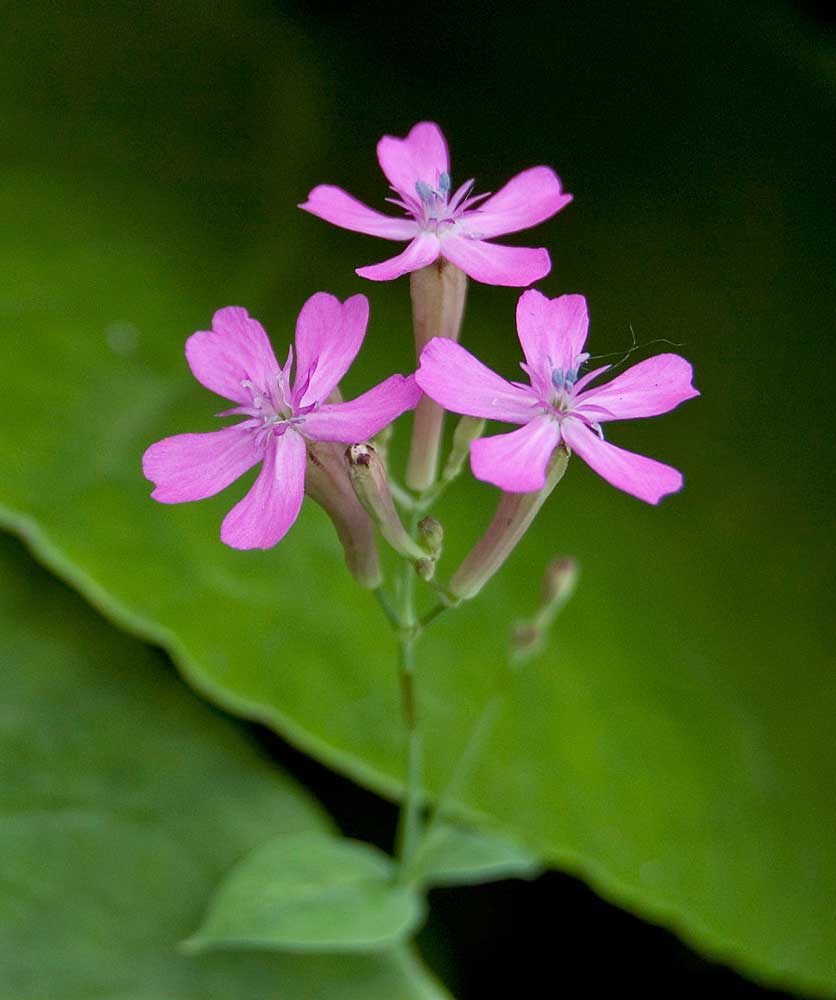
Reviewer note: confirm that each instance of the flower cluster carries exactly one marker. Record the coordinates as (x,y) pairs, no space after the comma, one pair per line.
(288,411)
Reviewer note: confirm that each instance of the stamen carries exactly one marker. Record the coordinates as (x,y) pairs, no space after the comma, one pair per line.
(425,192)
(402,204)
(303,388)
(461,194)
(255,392)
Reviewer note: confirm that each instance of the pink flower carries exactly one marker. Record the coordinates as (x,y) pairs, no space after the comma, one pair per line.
(557,405)
(445,225)
(236,361)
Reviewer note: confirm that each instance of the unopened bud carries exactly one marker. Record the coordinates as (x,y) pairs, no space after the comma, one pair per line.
(431,534)
(468,429)
(513,516)
(559,582)
(328,484)
(525,639)
(425,568)
(371,486)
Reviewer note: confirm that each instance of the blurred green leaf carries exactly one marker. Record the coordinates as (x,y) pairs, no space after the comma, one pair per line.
(673,747)
(455,855)
(311,892)
(124,801)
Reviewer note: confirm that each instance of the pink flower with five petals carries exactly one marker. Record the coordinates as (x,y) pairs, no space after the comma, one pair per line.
(441,224)
(235,360)
(558,405)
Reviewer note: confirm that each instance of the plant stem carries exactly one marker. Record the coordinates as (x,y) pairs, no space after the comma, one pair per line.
(432,614)
(387,606)
(402,497)
(410,818)
(479,736)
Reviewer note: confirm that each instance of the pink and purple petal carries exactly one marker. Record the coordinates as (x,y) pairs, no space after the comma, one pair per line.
(526,200)
(516,462)
(329,334)
(195,466)
(365,416)
(337,206)
(266,513)
(421,156)
(649,388)
(459,382)
(235,350)
(423,250)
(493,264)
(552,331)
(637,475)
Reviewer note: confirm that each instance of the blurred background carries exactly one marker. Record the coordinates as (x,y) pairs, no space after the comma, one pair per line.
(678,733)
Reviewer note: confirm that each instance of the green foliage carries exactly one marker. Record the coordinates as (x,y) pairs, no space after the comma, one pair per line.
(311,892)
(674,744)
(124,801)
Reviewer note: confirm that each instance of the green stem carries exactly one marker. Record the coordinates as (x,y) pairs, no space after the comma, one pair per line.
(479,736)
(388,608)
(427,500)
(402,496)
(409,825)
(432,614)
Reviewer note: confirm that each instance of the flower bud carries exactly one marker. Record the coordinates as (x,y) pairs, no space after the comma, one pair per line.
(559,580)
(438,294)
(468,429)
(431,534)
(371,486)
(425,568)
(513,516)
(327,483)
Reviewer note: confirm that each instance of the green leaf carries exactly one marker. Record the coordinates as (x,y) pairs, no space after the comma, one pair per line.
(673,747)
(454,855)
(124,800)
(311,892)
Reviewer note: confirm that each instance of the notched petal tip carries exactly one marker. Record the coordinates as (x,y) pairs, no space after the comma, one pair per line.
(329,334)
(226,315)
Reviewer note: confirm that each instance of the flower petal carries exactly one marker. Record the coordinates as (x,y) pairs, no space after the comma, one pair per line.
(266,513)
(421,156)
(494,264)
(459,382)
(423,250)
(234,350)
(654,386)
(526,200)
(552,331)
(329,334)
(637,475)
(335,205)
(363,417)
(516,462)
(195,466)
